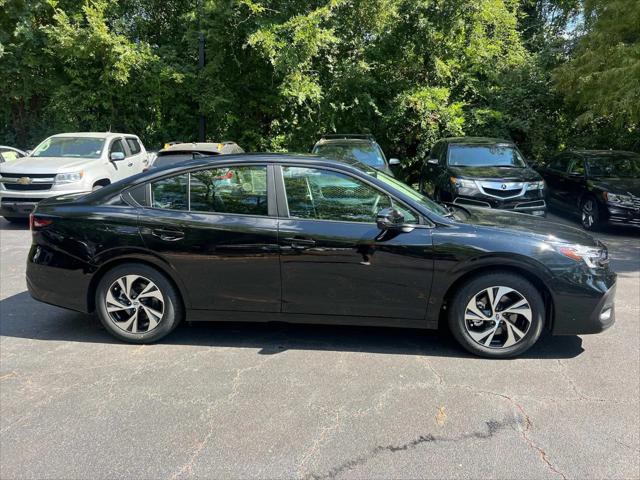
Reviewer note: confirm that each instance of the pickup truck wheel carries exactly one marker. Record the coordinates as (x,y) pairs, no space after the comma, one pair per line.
(497,315)
(138,304)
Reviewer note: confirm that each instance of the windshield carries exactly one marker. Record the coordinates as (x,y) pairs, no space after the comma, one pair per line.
(627,166)
(498,155)
(411,193)
(85,147)
(367,153)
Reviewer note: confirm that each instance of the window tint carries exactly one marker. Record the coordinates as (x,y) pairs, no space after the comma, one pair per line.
(230,190)
(85,147)
(170,193)
(117,146)
(326,195)
(134,145)
(577,166)
(560,163)
(498,155)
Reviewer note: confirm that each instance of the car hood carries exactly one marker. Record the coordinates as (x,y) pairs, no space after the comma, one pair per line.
(618,185)
(498,174)
(528,225)
(28,165)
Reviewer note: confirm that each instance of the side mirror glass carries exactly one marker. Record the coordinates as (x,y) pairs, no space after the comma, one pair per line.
(433,161)
(389,218)
(394,162)
(115,156)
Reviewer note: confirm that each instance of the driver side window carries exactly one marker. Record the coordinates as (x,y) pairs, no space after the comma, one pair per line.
(327,195)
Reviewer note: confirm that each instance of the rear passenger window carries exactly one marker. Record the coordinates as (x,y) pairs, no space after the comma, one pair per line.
(134,146)
(171,193)
(241,190)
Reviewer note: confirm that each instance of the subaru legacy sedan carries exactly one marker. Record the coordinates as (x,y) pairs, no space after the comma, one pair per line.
(271,237)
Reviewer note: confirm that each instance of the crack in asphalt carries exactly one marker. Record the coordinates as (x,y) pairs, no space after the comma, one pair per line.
(492,428)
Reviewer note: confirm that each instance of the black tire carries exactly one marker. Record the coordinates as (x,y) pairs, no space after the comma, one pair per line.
(172,312)
(590,214)
(471,290)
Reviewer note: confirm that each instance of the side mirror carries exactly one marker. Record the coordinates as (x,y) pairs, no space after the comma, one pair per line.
(389,219)
(433,161)
(116,156)
(393,162)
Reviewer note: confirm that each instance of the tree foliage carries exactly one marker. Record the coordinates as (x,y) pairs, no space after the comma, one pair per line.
(281,72)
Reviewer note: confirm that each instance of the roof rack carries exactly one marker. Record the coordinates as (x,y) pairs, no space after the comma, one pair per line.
(363,136)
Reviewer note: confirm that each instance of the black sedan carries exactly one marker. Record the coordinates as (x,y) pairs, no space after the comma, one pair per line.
(306,239)
(600,185)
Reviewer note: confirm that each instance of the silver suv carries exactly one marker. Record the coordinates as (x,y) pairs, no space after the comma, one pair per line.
(68,163)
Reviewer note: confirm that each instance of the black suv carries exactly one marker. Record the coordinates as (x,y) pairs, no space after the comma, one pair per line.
(362,148)
(600,185)
(482,172)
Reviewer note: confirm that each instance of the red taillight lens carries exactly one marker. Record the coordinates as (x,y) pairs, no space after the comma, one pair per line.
(36,222)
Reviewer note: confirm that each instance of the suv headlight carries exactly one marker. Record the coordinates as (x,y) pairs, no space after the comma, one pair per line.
(593,257)
(72,177)
(462,182)
(536,185)
(620,199)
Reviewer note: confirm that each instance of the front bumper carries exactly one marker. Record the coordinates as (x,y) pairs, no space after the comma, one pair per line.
(585,304)
(533,206)
(623,215)
(21,204)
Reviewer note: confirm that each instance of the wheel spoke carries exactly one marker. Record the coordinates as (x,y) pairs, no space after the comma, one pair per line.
(521,308)
(502,291)
(479,336)
(154,316)
(115,305)
(132,321)
(474,313)
(511,330)
(148,293)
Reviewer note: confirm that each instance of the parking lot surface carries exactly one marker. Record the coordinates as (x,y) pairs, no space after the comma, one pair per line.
(285,401)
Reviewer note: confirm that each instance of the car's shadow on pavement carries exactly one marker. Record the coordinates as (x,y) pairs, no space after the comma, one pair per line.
(23,317)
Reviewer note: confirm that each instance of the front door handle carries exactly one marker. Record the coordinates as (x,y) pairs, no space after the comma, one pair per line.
(167,235)
(300,243)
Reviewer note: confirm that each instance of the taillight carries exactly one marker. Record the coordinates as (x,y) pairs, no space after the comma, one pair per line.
(36,222)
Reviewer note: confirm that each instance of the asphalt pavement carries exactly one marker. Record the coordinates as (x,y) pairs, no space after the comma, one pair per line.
(240,401)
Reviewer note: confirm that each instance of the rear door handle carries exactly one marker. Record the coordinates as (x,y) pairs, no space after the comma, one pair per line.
(167,235)
(298,243)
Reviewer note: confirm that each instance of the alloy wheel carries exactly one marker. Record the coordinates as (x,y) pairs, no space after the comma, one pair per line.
(135,304)
(497,317)
(588,214)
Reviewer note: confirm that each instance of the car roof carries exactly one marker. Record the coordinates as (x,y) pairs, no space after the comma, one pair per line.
(94,134)
(202,147)
(603,153)
(475,140)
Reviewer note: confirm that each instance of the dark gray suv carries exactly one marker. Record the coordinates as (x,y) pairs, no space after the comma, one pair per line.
(360,147)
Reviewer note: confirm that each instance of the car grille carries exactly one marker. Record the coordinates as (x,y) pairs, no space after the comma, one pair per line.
(501,193)
(33,181)
(502,189)
(20,199)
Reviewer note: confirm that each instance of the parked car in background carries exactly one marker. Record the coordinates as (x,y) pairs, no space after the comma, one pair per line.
(599,185)
(482,172)
(10,153)
(68,163)
(182,152)
(269,237)
(349,147)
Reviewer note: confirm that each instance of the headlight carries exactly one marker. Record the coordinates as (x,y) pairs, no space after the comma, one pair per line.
(72,177)
(592,256)
(536,185)
(462,182)
(615,198)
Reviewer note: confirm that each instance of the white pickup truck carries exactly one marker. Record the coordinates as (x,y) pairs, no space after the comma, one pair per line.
(68,163)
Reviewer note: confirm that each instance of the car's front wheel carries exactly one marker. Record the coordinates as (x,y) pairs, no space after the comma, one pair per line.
(497,315)
(137,303)
(590,214)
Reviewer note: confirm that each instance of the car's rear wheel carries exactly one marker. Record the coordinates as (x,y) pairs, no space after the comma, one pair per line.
(497,315)
(137,303)
(590,214)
